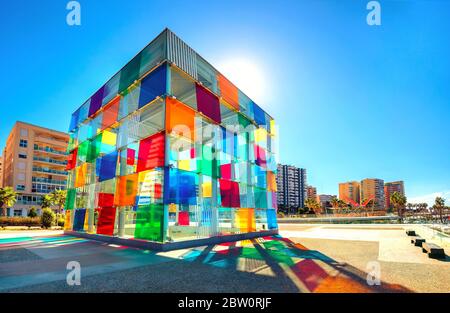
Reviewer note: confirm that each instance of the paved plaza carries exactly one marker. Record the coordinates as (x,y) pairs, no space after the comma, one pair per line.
(304,258)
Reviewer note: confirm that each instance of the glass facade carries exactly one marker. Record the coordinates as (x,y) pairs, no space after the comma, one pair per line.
(168,151)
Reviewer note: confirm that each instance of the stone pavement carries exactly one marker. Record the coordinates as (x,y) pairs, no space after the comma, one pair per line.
(35,262)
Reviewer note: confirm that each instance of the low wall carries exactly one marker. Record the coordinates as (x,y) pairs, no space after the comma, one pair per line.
(150,245)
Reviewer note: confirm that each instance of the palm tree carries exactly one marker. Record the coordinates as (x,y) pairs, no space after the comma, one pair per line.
(398,202)
(439,205)
(58,198)
(8,198)
(334,203)
(312,205)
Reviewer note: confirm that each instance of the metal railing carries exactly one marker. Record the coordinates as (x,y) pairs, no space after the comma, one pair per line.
(49,171)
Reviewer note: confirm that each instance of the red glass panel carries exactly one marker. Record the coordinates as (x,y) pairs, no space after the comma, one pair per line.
(151,152)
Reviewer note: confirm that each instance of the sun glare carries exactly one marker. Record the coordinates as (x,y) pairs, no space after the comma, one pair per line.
(247,76)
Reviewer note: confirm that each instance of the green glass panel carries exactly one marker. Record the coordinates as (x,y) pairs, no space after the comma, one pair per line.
(83,150)
(94,149)
(150,222)
(130,73)
(70,199)
(207,163)
(260,198)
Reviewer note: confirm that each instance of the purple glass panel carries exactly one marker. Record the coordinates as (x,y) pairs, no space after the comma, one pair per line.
(208,103)
(96,101)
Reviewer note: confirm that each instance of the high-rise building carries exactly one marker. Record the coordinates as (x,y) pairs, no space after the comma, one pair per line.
(350,192)
(34,162)
(291,186)
(390,188)
(169,150)
(311,192)
(373,189)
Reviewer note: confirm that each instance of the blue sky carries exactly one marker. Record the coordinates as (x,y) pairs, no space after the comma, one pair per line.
(351,100)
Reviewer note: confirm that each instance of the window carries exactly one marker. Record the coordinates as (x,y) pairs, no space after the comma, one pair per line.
(21,165)
(23,143)
(23,132)
(21,176)
(22,156)
(20,187)
(17,213)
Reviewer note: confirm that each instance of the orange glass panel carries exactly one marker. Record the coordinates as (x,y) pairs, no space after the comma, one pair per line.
(68,221)
(81,172)
(110,113)
(180,118)
(126,190)
(271,181)
(245,219)
(228,91)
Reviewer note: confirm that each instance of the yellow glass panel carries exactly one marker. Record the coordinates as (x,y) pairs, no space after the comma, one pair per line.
(207,190)
(273,129)
(109,138)
(172,208)
(184,165)
(245,219)
(260,135)
(86,221)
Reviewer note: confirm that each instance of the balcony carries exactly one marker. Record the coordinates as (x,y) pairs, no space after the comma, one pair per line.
(49,171)
(48,150)
(49,160)
(48,181)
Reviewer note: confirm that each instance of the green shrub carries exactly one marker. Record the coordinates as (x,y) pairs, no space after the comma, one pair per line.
(32,213)
(19,221)
(61,222)
(48,218)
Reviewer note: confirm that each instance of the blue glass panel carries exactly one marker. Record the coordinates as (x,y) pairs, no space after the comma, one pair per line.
(259,115)
(78,221)
(180,187)
(107,168)
(272,219)
(74,120)
(153,85)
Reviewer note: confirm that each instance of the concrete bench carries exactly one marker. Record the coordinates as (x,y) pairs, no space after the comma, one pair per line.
(418,241)
(434,251)
(410,232)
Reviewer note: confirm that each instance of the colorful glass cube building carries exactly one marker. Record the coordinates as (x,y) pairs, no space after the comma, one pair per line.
(168,151)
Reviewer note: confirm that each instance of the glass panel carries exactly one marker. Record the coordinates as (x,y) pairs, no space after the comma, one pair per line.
(182,88)
(111,89)
(151,119)
(151,152)
(96,102)
(228,91)
(106,221)
(180,119)
(208,104)
(130,73)
(129,102)
(150,222)
(110,113)
(154,53)
(207,75)
(126,190)
(153,85)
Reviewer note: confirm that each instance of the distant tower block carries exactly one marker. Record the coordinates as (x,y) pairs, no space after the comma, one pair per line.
(170,151)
